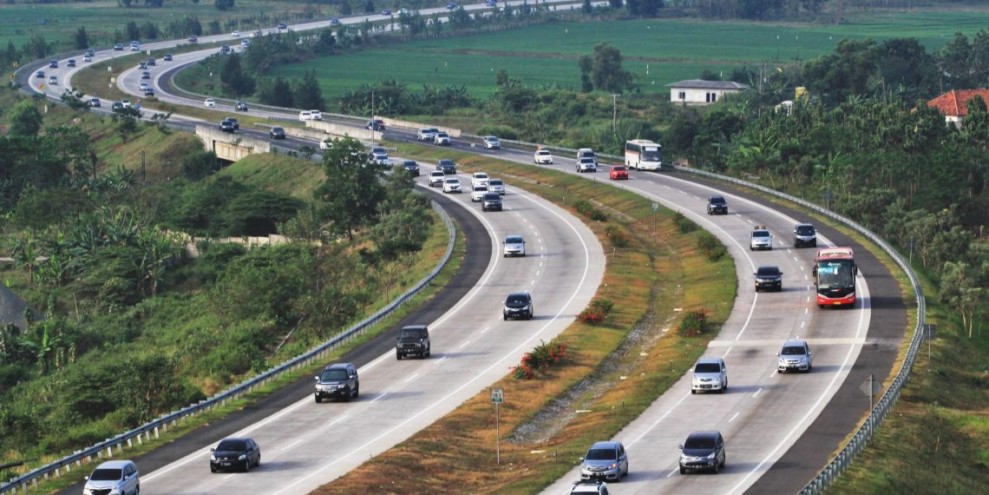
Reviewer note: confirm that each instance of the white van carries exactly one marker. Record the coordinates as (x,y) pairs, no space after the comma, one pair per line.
(305,115)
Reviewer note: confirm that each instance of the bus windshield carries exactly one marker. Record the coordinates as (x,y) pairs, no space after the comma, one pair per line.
(835,274)
(650,154)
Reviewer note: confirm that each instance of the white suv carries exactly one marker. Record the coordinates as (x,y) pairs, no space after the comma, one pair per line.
(761,238)
(514,245)
(710,374)
(795,356)
(209,103)
(427,134)
(306,115)
(477,192)
(436,178)
(479,179)
(451,185)
(116,477)
(542,157)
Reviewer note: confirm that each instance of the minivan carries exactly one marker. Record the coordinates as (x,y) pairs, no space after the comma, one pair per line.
(710,374)
(117,477)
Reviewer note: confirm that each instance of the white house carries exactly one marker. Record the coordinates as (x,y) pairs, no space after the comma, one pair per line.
(701,92)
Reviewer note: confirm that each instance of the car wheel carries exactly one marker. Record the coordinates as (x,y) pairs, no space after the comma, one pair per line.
(504,317)
(717,467)
(319,399)
(429,351)
(682,470)
(398,356)
(212,469)
(725,386)
(693,392)
(247,465)
(357,390)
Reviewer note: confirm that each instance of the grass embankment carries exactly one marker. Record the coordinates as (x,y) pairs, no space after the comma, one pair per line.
(630,358)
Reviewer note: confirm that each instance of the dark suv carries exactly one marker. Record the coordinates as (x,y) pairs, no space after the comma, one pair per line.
(804,234)
(769,277)
(411,167)
(716,205)
(518,306)
(338,381)
(447,166)
(703,450)
(491,201)
(412,340)
(226,125)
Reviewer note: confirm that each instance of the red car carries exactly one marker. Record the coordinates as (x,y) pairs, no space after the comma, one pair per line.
(619,172)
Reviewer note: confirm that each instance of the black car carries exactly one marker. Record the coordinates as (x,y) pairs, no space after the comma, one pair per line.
(192,39)
(224,49)
(118,46)
(338,381)
(413,340)
(703,450)
(491,201)
(518,305)
(277,133)
(282,25)
(769,277)
(411,167)
(240,106)
(95,102)
(142,65)
(227,126)
(149,91)
(116,106)
(448,167)
(71,62)
(145,75)
(151,62)
(167,57)
(376,125)
(53,64)
(804,234)
(717,205)
(235,454)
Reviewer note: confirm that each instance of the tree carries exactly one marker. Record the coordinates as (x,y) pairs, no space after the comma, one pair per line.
(307,93)
(224,5)
(960,290)
(615,4)
(644,8)
(233,79)
(25,119)
(604,70)
(349,197)
(277,92)
(846,72)
(586,7)
(132,31)
(955,60)
(81,38)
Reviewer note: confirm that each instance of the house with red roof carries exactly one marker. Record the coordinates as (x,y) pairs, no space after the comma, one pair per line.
(954,104)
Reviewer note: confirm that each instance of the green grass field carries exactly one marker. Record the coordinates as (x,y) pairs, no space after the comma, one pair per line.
(658,52)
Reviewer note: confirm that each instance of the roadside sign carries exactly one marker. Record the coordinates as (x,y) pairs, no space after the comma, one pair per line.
(497,396)
(655,207)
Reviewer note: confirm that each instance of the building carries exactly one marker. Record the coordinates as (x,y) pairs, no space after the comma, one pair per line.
(954,104)
(701,92)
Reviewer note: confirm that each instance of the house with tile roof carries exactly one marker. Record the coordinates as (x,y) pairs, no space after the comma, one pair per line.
(701,92)
(954,104)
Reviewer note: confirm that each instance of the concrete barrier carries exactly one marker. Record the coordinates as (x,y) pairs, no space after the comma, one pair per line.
(230,146)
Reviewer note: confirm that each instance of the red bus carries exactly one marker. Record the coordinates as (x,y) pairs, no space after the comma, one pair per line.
(834,276)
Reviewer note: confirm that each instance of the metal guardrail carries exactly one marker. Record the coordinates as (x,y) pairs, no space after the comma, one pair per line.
(864,433)
(144,432)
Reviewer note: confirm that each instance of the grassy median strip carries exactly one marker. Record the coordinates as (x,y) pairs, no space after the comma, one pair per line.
(612,370)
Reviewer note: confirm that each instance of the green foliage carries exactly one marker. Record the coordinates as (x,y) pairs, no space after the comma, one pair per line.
(540,359)
(596,312)
(233,79)
(25,120)
(198,165)
(684,224)
(710,246)
(349,197)
(694,323)
(617,236)
(588,210)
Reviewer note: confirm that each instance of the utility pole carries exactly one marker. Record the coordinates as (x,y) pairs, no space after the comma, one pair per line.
(614,113)
(372,118)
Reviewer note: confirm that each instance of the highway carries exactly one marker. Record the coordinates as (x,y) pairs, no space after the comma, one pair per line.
(762,415)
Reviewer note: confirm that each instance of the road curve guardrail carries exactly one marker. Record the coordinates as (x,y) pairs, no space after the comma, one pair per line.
(115,445)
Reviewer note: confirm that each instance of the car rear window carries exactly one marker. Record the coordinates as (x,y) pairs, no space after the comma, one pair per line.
(106,474)
(793,351)
(601,454)
(232,445)
(707,368)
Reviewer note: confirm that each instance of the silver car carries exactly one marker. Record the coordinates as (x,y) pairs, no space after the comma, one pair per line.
(436,178)
(477,193)
(795,356)
(604,461)
(761,238)
(113,477)
(710,374)
(514,245)
(496,186)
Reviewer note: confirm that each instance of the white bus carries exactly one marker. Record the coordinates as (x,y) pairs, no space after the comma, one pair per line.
(642,154)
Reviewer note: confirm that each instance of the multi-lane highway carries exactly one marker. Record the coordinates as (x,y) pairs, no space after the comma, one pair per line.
(762,415)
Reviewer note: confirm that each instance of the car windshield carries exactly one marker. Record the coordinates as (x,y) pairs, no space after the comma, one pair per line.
(717,200)
(760,233)
(480,188)
(495,182)
(106,474)
(411,334)
(232,445)
(333,375)
(514,240)
(437,174)
(793,351)
(805,230)
(600,454)
(620,169)
(516,300)
(278,129)
(707,368)
(453,181)
(768,272)
(699,443)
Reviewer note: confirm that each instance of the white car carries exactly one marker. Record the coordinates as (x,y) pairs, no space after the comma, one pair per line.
(587,164)
(761,238)
(492,143)
(379,156)
(235,34)
(477,192)
(710,374)
(441,139)
(427,134)
(144,86)
(117,477)
(316,114)
(305,115)
(451,185)
(326,144)
(496,186)
(436,178)
(542,157)
(514,245)
(479,179)
(209,103)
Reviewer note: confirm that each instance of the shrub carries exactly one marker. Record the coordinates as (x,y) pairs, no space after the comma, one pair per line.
(588,210)
(596,312)
(540,359)
(617,237)
(710,246)
(685,225)
(694,323)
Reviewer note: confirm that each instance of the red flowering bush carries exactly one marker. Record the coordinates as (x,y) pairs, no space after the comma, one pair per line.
(539,359)
(596,312)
